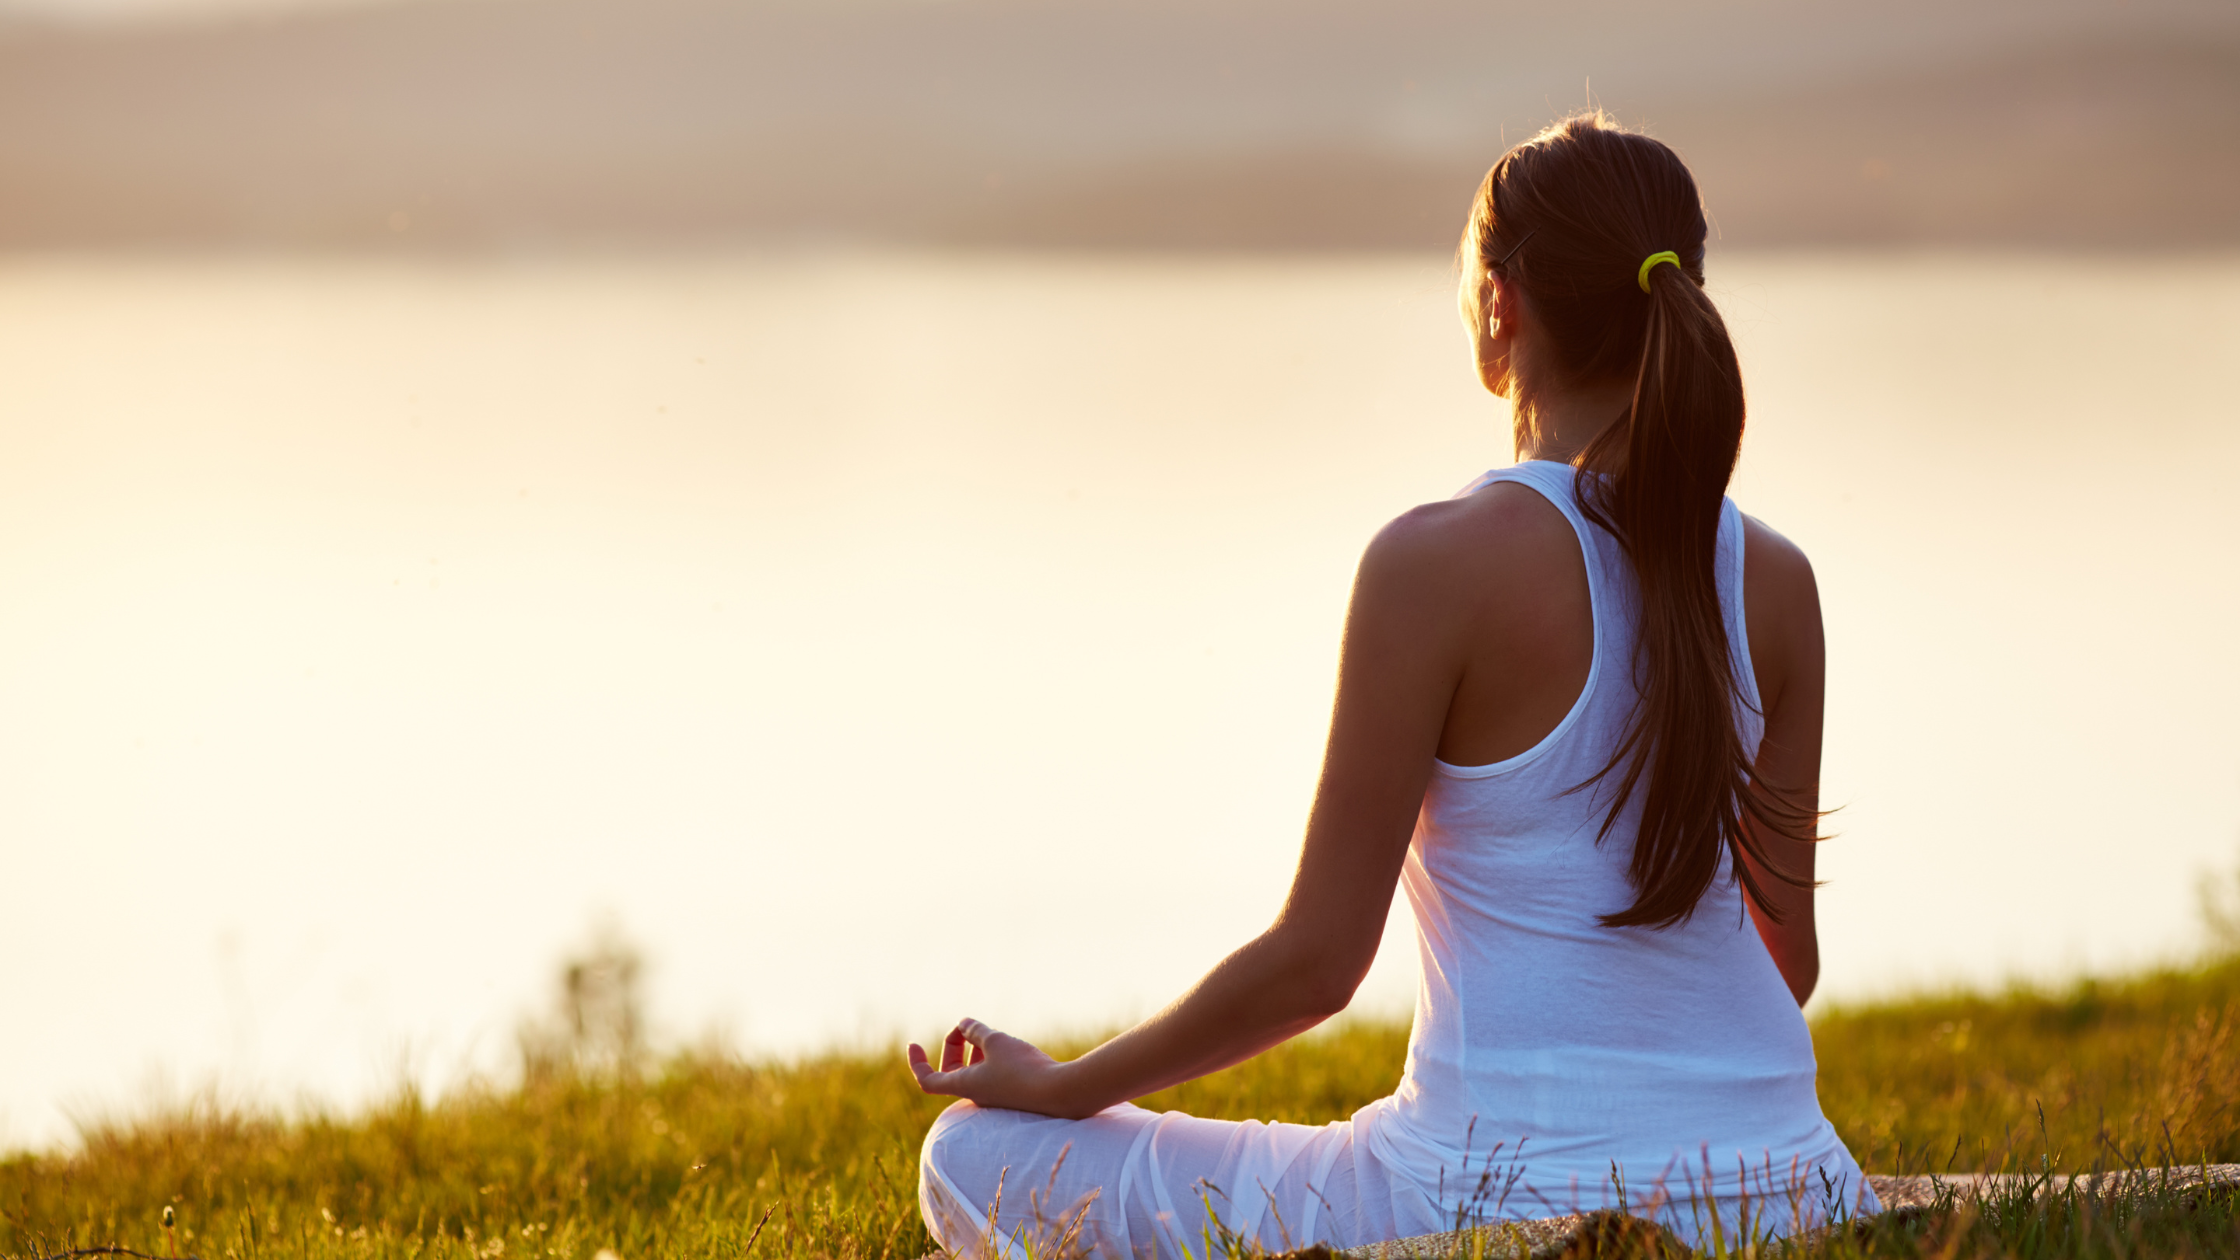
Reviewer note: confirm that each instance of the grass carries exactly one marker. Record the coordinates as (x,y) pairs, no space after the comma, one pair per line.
(2144,1070)
(685,1158)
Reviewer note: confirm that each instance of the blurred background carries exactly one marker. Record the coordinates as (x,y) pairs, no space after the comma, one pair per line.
(1327,124)
(852,503)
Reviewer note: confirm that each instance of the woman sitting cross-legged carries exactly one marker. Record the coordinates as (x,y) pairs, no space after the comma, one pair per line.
(1578,722)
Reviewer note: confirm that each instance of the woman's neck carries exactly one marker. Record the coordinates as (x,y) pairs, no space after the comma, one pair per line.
(1564,421)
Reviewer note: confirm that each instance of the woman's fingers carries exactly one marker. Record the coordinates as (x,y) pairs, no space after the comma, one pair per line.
(953,1048)
(965,1047)
(991,1068)
(970,1032)
(929,1081)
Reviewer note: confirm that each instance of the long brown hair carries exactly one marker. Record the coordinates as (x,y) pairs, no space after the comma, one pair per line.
(1567,218)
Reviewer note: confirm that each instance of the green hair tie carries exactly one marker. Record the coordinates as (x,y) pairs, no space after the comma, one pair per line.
(1661,256)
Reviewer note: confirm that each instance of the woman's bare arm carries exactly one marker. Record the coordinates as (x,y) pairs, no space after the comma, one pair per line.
(1787,650)
(1410,616)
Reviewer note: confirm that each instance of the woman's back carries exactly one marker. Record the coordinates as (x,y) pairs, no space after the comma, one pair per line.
(1544,1038)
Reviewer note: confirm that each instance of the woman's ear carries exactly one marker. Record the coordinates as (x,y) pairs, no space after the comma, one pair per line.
(1500,309)
(1496,328)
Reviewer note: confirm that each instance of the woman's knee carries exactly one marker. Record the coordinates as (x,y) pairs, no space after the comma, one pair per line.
(952,1118)
(937,1157)
(949,1212)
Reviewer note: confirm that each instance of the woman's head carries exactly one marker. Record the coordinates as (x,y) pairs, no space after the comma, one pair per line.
(1557,236)
(1560,243)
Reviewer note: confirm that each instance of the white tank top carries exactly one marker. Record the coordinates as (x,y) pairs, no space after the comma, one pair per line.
(1562,1048)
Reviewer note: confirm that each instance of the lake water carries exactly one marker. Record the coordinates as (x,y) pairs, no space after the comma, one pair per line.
(884,637)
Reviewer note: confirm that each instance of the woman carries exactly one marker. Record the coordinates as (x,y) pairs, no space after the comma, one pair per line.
(1578,720)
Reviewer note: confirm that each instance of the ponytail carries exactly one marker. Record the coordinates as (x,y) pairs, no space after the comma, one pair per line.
(1607,209)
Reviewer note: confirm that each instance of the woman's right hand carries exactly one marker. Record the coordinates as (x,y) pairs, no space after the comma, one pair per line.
(996,1069)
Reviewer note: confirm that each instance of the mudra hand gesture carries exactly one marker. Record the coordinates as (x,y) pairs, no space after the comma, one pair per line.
(1001,1071)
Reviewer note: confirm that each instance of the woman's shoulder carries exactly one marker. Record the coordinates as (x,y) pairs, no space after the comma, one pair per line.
(1499,537)
(1781,605)
(1777,569)
(1505,520)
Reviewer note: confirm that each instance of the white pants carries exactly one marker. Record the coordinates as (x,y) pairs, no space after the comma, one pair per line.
(1130,1184)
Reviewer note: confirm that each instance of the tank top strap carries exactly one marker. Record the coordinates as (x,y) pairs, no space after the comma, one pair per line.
(1732,547)
(1610,583)
(1555,482)
(1558,485)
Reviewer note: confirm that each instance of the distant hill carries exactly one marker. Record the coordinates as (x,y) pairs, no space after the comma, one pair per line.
(1102,123)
